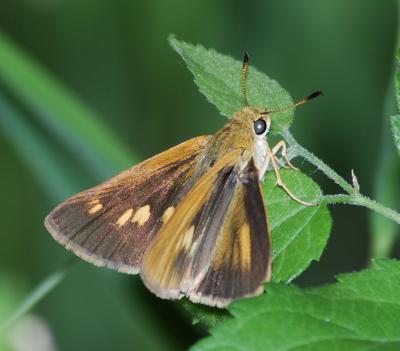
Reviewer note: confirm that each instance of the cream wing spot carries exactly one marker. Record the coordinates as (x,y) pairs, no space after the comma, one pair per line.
(142,215)
(96,208)
(245,245)
(125,217)
(168,213)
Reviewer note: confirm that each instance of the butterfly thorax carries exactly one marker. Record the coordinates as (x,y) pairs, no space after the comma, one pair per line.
(238,133)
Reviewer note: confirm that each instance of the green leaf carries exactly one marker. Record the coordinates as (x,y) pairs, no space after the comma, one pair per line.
(206,315)
(299,233)
(359,312)
(219,79)
(396,131)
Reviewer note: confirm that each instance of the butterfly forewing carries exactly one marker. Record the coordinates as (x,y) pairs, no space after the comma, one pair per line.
(166,261)
(113,223)
(216,246)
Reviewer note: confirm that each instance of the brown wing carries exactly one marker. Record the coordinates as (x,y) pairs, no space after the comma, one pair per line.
(113,223)
(241,259)
(216,246)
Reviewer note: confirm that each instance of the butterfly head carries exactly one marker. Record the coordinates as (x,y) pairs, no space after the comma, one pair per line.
(254,121)
(262,118)
(248,129)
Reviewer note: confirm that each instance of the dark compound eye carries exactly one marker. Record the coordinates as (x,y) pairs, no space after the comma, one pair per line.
(260,126)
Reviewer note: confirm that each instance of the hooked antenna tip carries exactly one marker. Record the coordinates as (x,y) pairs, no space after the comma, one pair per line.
(246,58)
(314,95)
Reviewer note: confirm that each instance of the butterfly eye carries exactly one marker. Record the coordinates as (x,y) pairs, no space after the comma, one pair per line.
(260,126)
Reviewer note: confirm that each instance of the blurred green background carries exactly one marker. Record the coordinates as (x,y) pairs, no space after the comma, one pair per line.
(88,88)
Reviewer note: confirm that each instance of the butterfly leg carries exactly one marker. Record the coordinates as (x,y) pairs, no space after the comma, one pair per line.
(282,146)
(273,159)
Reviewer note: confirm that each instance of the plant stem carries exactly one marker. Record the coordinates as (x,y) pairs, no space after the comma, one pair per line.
(377,207)
(361,200)
(353,197)
(298,150)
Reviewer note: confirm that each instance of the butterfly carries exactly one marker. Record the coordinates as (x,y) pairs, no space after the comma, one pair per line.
(191,220)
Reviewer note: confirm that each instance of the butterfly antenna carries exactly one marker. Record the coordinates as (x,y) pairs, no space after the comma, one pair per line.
(244,75)
(297,104)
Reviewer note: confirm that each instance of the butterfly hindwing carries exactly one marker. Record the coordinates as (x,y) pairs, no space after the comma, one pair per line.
(113,223)
(241,258)
(216,246)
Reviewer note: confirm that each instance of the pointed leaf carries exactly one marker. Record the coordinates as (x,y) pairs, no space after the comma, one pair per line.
(360,312)
(219,79)
(299,233)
